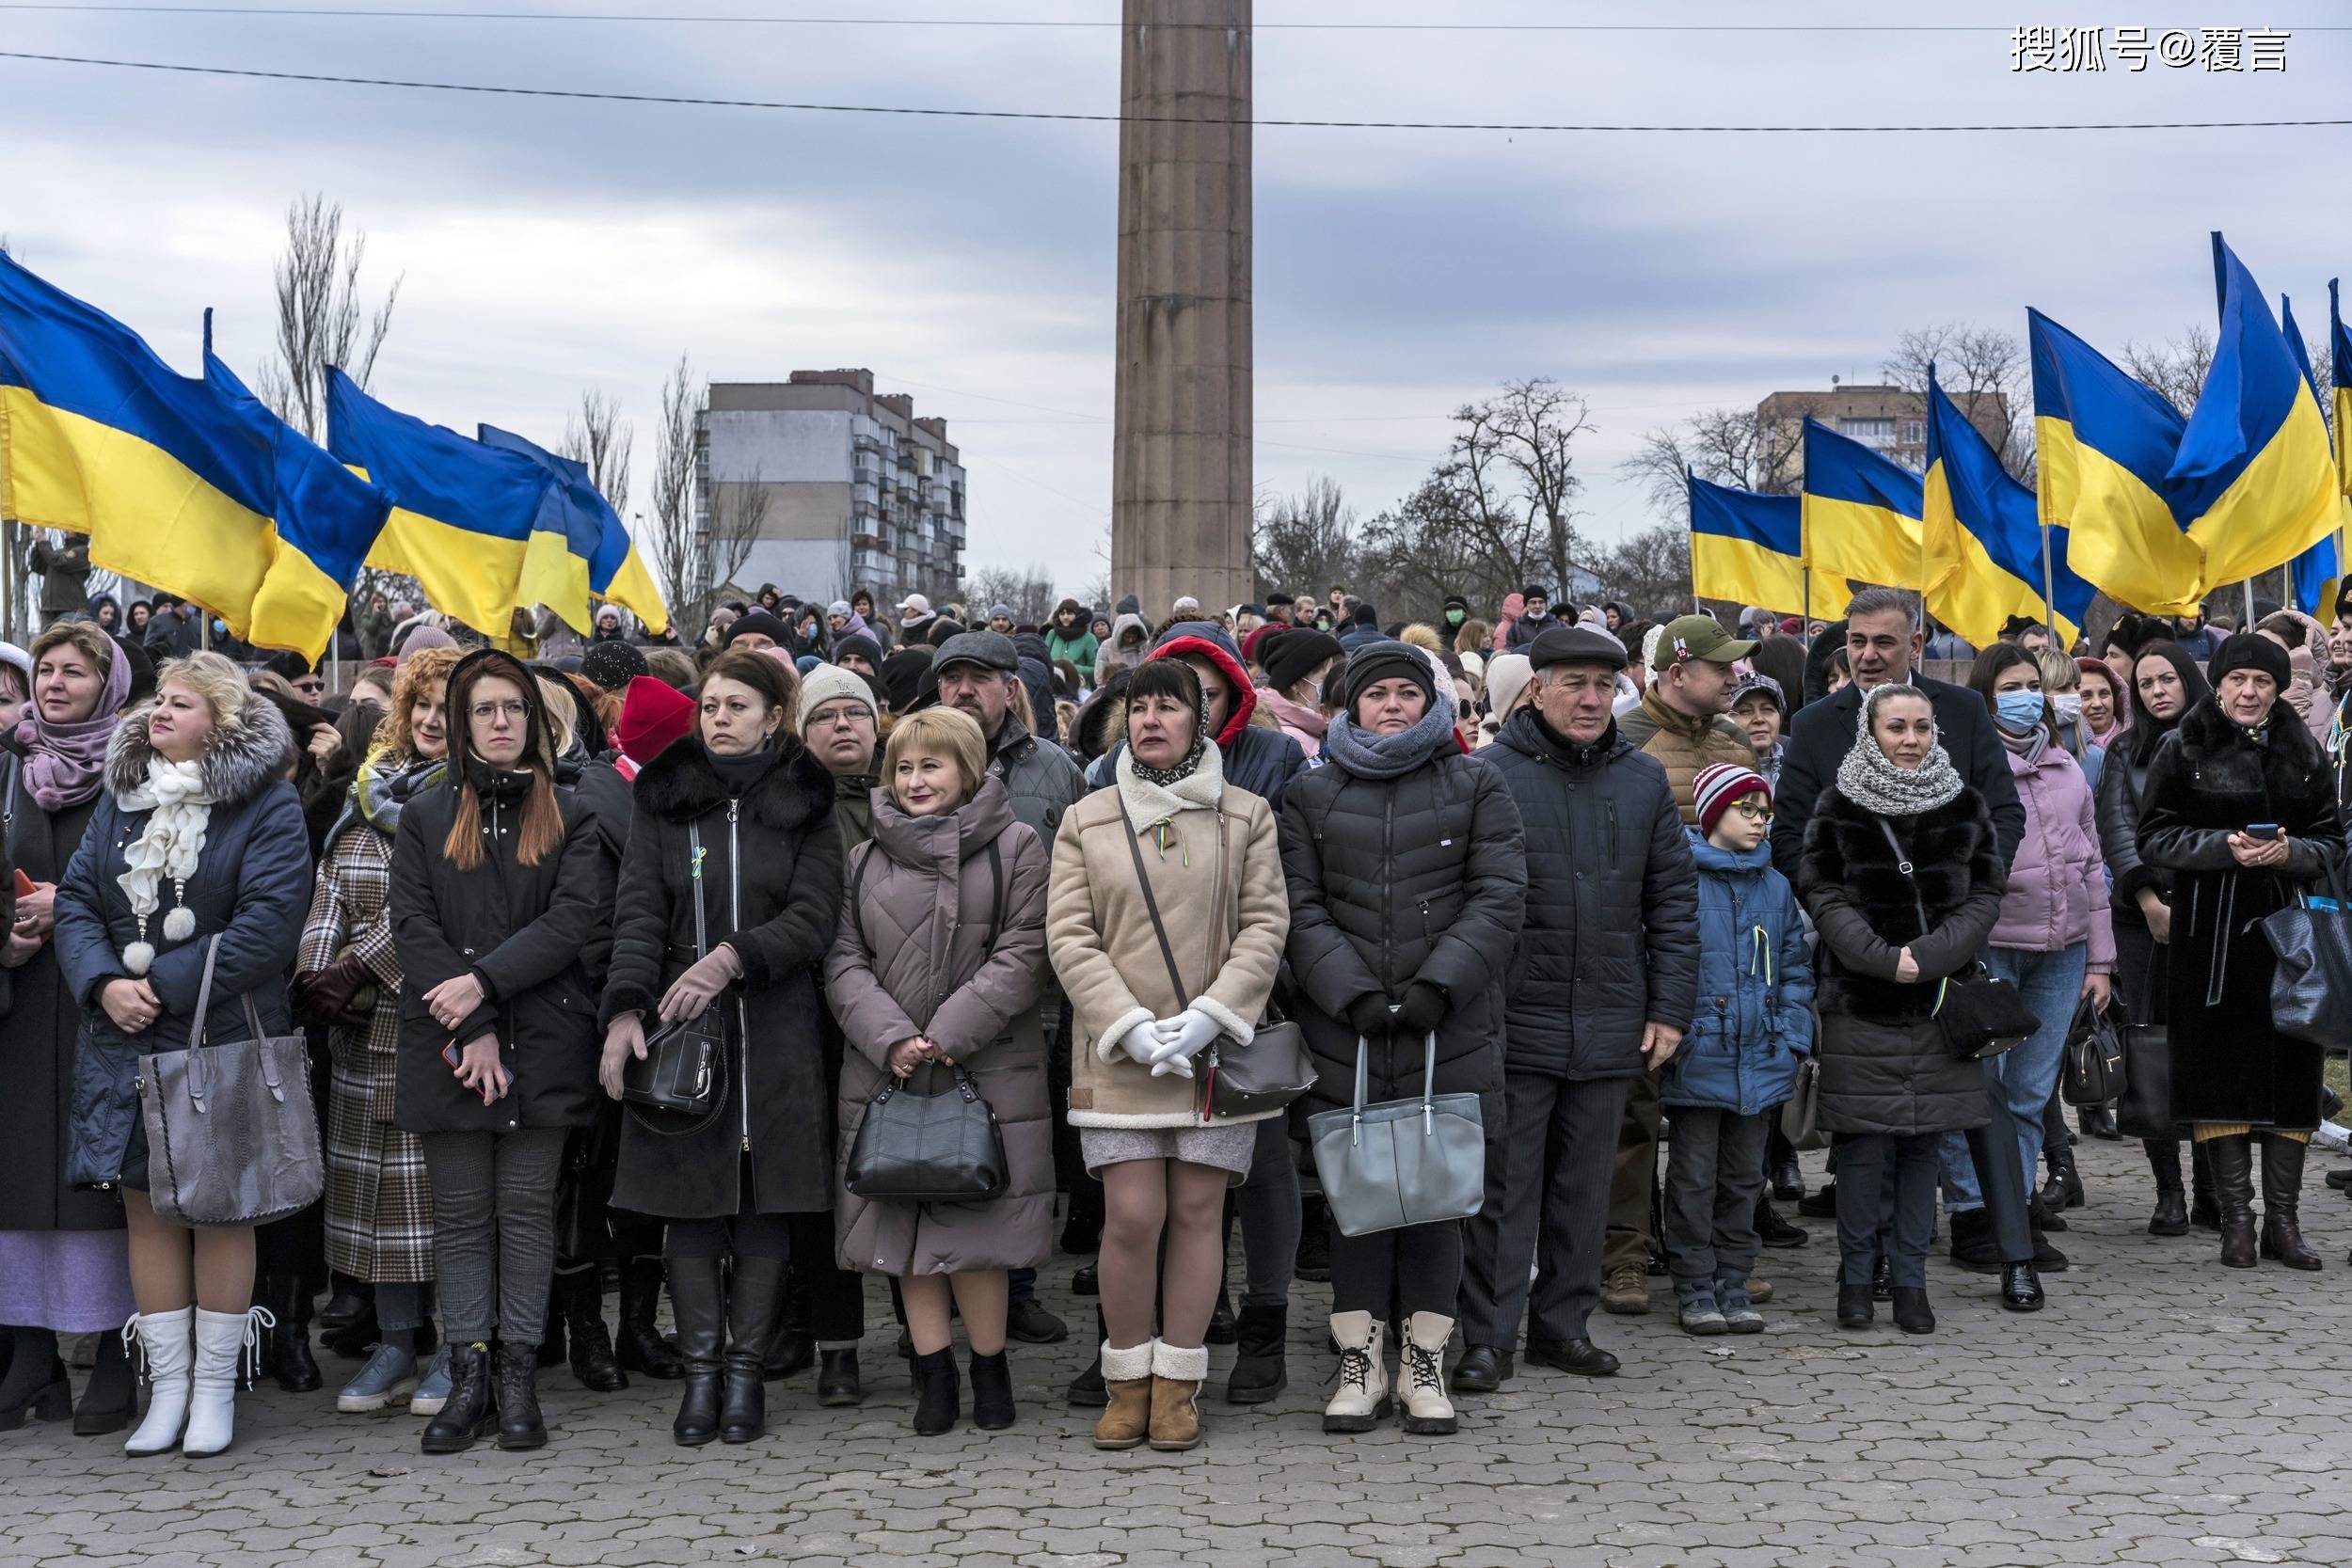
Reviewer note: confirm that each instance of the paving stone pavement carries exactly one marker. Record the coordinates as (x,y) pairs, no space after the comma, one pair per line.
(2163,1410)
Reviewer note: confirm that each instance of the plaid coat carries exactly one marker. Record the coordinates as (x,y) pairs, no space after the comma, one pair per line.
(379,1204)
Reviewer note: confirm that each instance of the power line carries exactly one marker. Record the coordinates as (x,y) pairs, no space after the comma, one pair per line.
(682,99)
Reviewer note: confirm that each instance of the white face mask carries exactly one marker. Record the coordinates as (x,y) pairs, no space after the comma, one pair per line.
(2069,706)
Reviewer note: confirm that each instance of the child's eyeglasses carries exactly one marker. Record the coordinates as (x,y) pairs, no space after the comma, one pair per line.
(1753,809)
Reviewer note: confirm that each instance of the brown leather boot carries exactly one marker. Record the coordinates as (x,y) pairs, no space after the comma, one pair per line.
(2282,1188)
(2233,1160)
(1176,1379)
(1127,1375)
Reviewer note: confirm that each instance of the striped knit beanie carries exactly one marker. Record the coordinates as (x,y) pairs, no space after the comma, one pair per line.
(1715,788)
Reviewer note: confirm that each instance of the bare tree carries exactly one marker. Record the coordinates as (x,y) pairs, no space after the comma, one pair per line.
(1026,591)
(320,318)
(1987,376)
(1304,541)
(1528,434)
(1649,570)
(1727,446)
(2174,369)
(596,436)
(703,530)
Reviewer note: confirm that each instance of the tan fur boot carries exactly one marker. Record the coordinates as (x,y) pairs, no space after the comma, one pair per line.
(1176,1379)
(1127,1375)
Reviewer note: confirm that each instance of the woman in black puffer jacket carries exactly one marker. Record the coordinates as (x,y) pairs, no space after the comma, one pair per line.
(1408,872)
(1903,878)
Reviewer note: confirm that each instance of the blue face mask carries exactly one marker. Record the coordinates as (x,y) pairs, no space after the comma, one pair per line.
(2018,712)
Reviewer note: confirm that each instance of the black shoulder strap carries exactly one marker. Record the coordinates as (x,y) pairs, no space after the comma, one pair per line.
(864,854)
(996,899)
(1903,863)
(1152,905)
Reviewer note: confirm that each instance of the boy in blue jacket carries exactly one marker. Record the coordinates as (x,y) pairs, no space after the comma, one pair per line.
(1754,1019)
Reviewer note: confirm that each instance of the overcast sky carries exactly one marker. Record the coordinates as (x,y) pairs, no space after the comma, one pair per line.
(545,246)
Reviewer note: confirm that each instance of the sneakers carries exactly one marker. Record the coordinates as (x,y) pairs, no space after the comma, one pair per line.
(433,1388)
(1626,1293)
(1420,1376)
(390,1374)
(1738,1308)
(1695,1308)
(1361,1402)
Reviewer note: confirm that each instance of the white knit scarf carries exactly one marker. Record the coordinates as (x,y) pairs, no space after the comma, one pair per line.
(168,846)
(1150,804)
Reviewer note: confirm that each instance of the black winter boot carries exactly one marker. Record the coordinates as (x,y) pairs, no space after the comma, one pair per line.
(520,1425)
(1087,1391)
(991,1392)
(286,1347)
(35,1384)
(698,1297)
(793,1346)
(112,1396)
(1259,1370)
(939,1393)
(592,1362)
(2204,1204)
(471,1408)
(551,1346)
(2282,1188)
(2064,1190)
(837,1382)
(2232,1160)
(639,1347)
(752,1308)
(2172,1213)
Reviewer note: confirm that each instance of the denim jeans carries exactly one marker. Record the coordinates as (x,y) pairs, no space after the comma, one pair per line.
(2052,984)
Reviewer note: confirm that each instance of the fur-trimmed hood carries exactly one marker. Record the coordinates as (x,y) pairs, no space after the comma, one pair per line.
(681,785)
(245,756)
(1207,639)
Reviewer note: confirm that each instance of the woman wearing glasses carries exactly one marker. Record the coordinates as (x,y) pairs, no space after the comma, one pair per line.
(497,889)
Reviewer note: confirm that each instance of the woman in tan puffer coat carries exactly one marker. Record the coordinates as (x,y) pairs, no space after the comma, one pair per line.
(937,961)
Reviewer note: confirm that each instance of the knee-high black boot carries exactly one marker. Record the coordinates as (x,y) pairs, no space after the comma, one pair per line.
(753,1306)
(639,1347)
(2232,1160)
(582,1294)
(698,1297)
(2282,1188)
(2205,1208)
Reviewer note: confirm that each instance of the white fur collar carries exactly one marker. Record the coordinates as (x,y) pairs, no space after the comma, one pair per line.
(1146,802)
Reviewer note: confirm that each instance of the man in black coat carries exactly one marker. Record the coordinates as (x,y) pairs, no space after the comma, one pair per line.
(1601,989)
(1884,636)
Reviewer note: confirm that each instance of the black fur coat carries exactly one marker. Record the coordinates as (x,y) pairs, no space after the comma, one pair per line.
(2209,779)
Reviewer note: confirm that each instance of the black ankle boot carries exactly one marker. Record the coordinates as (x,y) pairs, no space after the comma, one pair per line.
(753,1306)
(471,1407)
(352,1300)
(2170,1217)
(792,1348)
(2283,1189)
(112,1396)
(591,1359)
(286,1346)
(838,1382)
(639,1347)
(1087,1391)
(1912,1313)
(35,1386)
(2064,1190)
(520,1425)
(991,1392)
(939,1393)
(1260,1367)
(698,1298)
(1853,1306)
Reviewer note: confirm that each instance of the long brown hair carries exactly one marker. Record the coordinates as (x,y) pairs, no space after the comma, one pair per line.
(542,831)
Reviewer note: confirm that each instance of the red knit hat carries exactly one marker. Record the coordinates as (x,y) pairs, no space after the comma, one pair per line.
(1715,788)
(653,715)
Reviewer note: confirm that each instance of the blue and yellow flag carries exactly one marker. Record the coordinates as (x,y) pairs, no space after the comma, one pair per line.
(2103,443)
(188,483)
(2316,570)
(1861,512)
(1748,548)
(2254,483)
(2340,374)
(579,547)
(461,513)
(1983,538)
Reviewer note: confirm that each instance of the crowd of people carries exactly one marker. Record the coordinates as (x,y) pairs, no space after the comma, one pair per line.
(1618,882)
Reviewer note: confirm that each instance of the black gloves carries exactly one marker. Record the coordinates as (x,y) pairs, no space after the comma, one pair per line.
(1368,1015)
(1422,1009)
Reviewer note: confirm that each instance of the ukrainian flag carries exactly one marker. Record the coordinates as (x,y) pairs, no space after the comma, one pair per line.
(1861,512)
(579,547)
(2253,481)
(190,484)
(461,513)
(1983,537)
(2103,443)
(1748,548)
(2316,570)
(2340,372)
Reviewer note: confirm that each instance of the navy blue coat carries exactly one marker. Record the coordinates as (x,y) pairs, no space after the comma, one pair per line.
(1755,1013)
(251,887)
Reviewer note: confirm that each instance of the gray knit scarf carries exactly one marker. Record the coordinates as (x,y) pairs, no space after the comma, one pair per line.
(1877,785)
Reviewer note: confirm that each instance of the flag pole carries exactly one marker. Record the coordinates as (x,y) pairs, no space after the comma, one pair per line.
(2049,594)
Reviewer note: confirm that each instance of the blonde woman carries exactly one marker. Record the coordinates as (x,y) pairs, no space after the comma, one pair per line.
(199,835)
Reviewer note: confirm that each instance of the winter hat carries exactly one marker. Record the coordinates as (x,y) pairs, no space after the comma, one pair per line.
(11,654)
(827,682)
(1185,605)
(1717,786)
(653,715)
(1253,646)
(1752,682)
(1290,657)
(996,609)
(838,607)
(1574,645)
(1380,661)
(1507,675)
(614,665)
(421,638)
(861,645)
(902,677)
(758,621)
(914,610)
(2250,650)
(1790,625)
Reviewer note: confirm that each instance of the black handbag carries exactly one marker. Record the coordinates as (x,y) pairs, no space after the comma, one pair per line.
(1276,1069)
(683,1076)
(2314,974)
(2093,1071)
(944,1148)
(1980,1014)
(1801,1119)
(2145,1108)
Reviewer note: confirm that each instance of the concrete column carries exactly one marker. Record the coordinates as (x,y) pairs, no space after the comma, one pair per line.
(1180,461)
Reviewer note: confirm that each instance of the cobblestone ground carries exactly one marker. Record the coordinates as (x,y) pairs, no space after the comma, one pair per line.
(2162,1410)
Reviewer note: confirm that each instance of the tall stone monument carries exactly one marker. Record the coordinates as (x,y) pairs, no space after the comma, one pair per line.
(1180,461)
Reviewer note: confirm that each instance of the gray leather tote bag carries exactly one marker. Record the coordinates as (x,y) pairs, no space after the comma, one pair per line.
(1401,1162)
(233,1138)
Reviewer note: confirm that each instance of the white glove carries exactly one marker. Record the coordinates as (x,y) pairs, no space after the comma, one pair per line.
(1140,1041)
(1181,1038)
